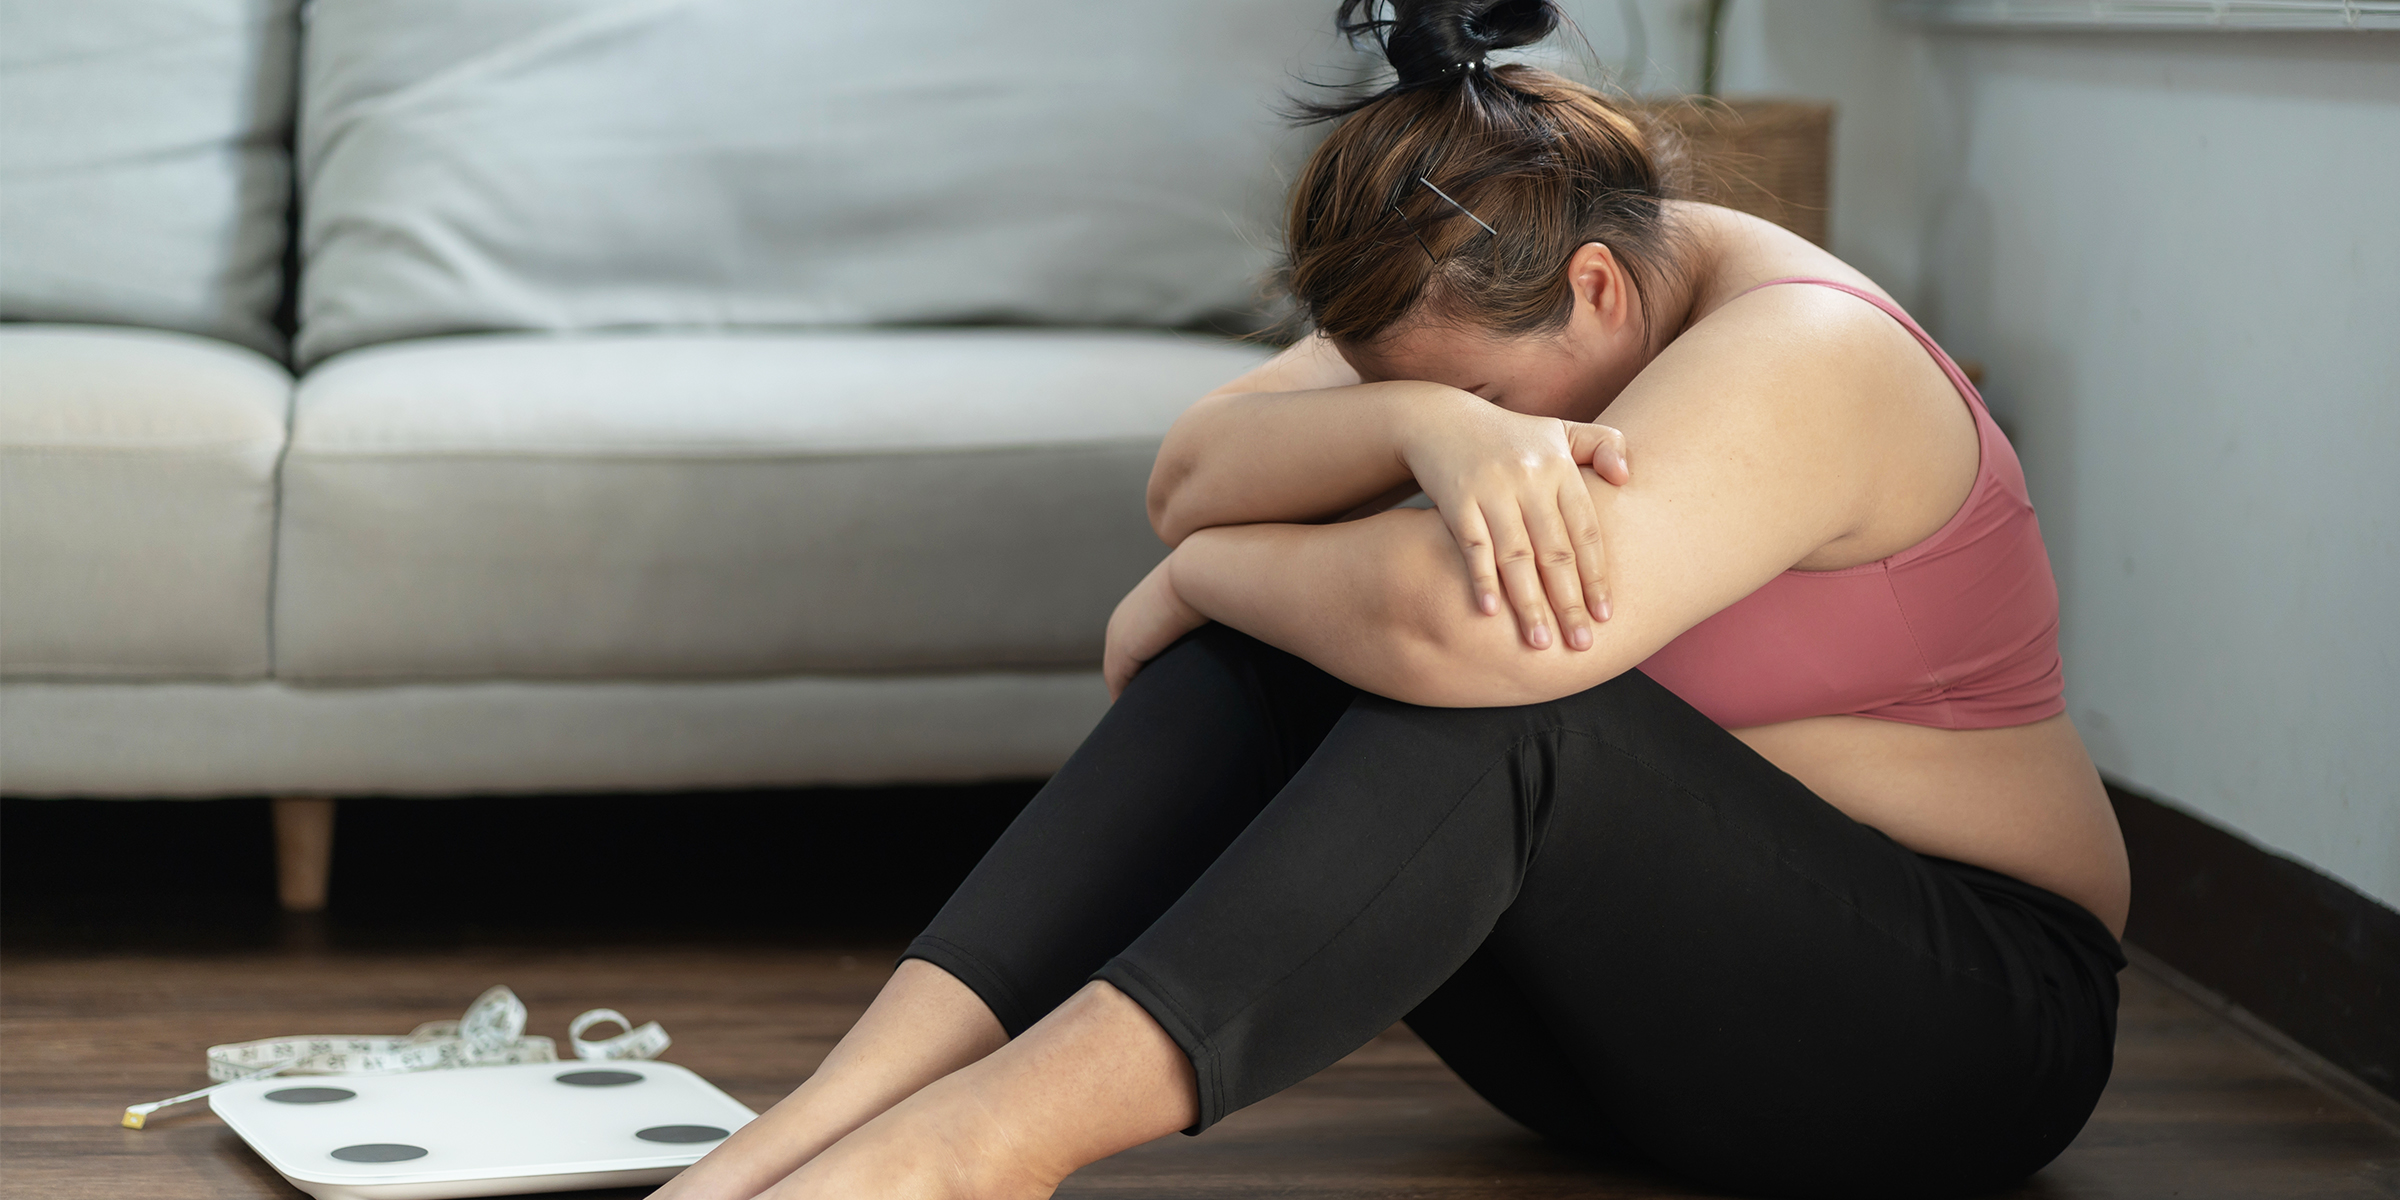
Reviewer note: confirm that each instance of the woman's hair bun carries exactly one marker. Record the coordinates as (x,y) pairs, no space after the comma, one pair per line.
(1429,41)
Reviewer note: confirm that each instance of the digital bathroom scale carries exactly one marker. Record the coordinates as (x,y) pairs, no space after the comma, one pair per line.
(481,1131)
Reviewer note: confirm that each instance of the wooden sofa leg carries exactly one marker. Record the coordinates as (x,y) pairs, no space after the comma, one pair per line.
(303,851)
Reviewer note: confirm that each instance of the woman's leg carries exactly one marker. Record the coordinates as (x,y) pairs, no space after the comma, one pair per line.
(922,1026)
(1100,1073)
(1750,987)
(1202,740)
(1757,991)
(1177,767)
(1891,1067)
(1093,1077)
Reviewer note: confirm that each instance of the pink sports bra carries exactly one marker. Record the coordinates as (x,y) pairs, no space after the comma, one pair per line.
(1959,631)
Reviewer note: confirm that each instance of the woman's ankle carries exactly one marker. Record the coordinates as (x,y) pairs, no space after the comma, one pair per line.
(944,1143)
(923,1025)
(782,1140)
(987,1155)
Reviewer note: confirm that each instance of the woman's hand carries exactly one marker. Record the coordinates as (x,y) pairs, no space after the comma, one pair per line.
(1511,488)
(1147,621)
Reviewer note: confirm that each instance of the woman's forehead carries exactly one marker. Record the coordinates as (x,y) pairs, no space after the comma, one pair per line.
(1421,351)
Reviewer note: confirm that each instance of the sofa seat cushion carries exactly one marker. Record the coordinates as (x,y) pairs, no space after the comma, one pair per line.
(658,505)
(101,738)
(137,503)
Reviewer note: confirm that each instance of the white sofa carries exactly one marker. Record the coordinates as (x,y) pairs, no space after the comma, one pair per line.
(657,394)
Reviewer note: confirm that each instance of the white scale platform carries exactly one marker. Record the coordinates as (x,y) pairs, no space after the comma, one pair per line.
(482,1131)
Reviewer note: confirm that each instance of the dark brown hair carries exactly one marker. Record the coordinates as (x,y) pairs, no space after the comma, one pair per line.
(1545,163)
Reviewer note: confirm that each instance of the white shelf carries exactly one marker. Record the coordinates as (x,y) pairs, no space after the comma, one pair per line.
(2232,15)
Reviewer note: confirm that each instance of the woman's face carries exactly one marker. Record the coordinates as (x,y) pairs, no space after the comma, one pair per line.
(1572,374)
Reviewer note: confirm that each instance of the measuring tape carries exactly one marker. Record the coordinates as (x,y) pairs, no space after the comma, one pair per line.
(491,1034)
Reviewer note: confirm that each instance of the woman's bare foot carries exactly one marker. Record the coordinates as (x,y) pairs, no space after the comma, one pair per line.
(943,1143)
(922,1026)
(1094,1077)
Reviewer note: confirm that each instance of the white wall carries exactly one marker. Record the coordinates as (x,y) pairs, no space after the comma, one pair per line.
(2179,258)
(1844,51)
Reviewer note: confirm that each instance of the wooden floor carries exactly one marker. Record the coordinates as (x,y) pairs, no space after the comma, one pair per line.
(2197,1110)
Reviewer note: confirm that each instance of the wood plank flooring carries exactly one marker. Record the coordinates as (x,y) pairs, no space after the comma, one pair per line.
(2197,1110)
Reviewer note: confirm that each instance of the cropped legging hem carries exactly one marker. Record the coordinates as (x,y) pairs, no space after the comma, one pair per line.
(1622,927)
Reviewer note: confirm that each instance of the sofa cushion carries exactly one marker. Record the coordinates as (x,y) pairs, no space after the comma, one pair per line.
(517,506)
(148,177)
(561,165)
(93,738)
(137,502)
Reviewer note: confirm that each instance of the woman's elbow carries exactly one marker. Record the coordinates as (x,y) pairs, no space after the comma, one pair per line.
(1437,676)
(1450,681)
(1167,500)
(1169,497)
(1428,655)
(1430,685)
(1464,659)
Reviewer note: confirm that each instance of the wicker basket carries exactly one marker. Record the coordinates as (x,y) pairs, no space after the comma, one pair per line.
(1768,158)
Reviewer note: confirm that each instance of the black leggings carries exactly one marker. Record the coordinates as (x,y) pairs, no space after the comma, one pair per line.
(1615,921)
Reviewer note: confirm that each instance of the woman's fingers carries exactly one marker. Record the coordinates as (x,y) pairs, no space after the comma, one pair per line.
(1526,525)
(1591,556)
(1557,556)
(1474,539)
(1521,575)
(1602,447)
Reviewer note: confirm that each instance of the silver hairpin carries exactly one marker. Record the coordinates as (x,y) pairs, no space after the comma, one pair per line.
(1460,207)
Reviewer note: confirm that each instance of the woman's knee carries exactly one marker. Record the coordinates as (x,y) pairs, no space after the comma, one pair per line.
(1283,678)
(1217,673)
(1629,710)
(1216,647)
(1627,699)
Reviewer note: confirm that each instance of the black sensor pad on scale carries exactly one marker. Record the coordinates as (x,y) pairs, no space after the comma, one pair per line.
(682,1134)
(599,1078)
(379,1152)
(310,1095)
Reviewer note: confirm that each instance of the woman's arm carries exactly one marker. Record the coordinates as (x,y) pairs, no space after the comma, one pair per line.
(1297,439)
(1760,446)
(1300,438)
(1268,447)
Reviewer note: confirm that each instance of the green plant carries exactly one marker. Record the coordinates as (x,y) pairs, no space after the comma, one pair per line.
(1712,45)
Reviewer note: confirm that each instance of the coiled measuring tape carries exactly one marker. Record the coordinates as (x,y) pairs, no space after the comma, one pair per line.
(491,1034)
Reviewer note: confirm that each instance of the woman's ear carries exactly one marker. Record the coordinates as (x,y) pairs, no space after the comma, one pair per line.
(1599,284)
(1603,294)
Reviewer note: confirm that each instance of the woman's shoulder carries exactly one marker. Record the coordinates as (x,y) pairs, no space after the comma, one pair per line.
(1732,254)
(1774,364)
(1861,364)
(1788,307)
(1816,348)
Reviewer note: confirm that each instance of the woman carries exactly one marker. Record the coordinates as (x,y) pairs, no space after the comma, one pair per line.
(1822,899)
